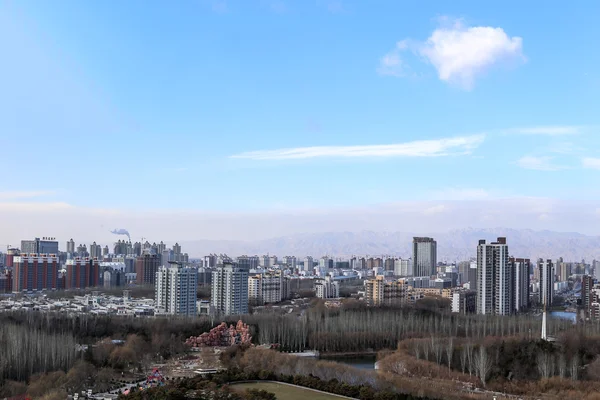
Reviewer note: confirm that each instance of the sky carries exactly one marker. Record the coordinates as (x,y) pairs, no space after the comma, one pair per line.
(247,119)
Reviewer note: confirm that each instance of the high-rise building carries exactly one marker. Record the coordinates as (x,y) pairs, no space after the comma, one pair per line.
(327,288)
(587,284)
(34,272)
(379,292)
(105,251)
(290,261)
(308,264)
(82,272)
(45,245)
(424,256)
(546,268)
(520,282)
(175,289)
(326,262)
(596,268)
(389,264)
(95,250)
(229,294)
(146,267)
(494,295)
(71,246)
(160,247)
(464,301)
(266,288)
(403,267)
(176,248)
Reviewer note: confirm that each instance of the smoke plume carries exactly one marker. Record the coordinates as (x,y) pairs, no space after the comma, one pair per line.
(121,232)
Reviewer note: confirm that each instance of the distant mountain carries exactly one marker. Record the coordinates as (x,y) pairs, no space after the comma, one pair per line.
(453,245)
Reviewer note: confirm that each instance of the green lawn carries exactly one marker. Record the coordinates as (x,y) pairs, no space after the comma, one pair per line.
(285,392)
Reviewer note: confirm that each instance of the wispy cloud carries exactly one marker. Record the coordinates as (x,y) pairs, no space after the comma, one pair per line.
(551,130)
(539,163)
(422,148)
(590,162)
(460,54)
(17,195)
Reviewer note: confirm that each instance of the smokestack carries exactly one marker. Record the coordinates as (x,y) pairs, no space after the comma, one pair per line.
(121,232)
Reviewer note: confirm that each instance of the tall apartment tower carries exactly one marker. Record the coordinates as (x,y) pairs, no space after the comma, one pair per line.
(175,289)
(494,289)
(546,268)
(308,263)
(71,246)
(229,294)
(146,267)
(424,256)
(520,270)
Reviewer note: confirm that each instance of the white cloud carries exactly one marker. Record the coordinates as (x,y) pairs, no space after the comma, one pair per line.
(15,194)
(391,63)
(33,207)
(422,148)
(590,162)
(538,163)
(549,130)
(460,54)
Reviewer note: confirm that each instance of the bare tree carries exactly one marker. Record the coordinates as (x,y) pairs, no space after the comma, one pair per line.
(417,349)
(562,365)
(463,358)
(483,364)
(450,351)
(575,367)
(545,365)
(470,358)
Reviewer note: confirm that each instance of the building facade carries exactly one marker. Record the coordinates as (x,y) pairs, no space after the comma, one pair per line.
(546,268)
(45,245)
(82,272)
(379,292)
(146,267)
(424,256)
(521,283)
(327,288)
(493,278)
(229,294)
(32,272)
(464,301)
(175,289)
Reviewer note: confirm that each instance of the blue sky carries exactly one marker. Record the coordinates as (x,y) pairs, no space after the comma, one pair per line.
(166,106)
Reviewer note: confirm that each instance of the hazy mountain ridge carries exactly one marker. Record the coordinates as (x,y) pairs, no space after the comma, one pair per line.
(452,245)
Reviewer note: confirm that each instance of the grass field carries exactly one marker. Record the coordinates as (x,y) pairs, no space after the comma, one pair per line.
(285,392)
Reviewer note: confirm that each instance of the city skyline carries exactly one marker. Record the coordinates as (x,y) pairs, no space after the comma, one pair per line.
(315,119)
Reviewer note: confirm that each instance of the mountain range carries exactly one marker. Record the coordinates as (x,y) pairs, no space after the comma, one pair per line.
(454,245)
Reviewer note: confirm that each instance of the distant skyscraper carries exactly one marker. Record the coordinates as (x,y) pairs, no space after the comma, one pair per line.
(267,288)
(176,248)
(520,283)
(290,261)
(71,247)
(403,267)
(424,256)
(308,264)
(175,289)
(137,249)
(494,294)
(546,282)
(105,251)
(146,267)
(82,251)
(45,245)
(95,250)
(161,247)
(230,289)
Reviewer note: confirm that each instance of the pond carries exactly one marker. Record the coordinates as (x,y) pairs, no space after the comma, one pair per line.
(564,315)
